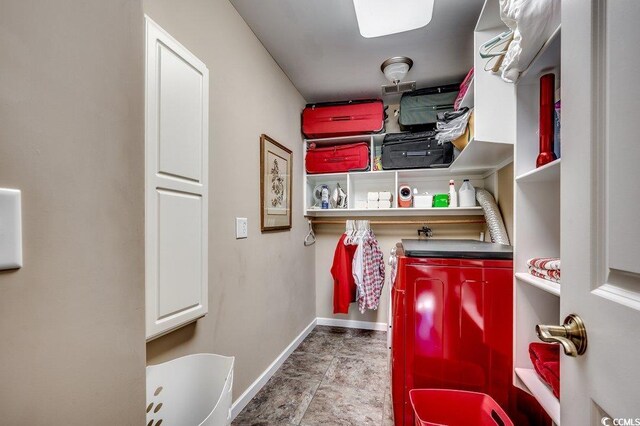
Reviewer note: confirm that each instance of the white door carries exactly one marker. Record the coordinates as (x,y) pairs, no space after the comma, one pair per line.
(601,209)
(176,183)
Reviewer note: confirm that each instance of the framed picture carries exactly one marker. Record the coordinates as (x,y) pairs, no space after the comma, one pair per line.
(275,185)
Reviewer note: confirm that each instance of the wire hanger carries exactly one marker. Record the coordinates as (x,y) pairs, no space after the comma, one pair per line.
(310,239)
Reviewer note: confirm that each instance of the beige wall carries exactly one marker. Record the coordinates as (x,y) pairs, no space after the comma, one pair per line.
(261,290)
(72,139)
(388,236)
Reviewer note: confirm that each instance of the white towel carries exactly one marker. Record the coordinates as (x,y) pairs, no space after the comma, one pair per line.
(372,204)
(372,196)
(384,204)
(384,196)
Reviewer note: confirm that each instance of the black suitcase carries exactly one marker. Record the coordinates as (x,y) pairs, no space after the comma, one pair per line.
(419,109)
(415,151)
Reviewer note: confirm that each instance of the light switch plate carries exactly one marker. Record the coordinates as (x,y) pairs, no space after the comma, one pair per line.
(241,227)
(10,229)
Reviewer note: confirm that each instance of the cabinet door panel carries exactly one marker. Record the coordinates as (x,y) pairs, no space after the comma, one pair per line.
(179,252)
(176,174)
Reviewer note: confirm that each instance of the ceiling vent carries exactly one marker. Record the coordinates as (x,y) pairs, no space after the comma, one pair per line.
(392,89)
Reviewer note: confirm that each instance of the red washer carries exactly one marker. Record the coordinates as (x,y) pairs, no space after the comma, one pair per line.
(451,326)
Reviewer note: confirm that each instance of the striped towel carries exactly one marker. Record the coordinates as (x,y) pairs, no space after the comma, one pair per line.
(544,263)
(547,268)
(545,274)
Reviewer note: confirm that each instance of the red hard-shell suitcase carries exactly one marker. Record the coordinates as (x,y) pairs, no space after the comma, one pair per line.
(343,118)
(338,158)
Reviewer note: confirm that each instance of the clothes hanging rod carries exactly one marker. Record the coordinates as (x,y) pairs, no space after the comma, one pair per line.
(403,222)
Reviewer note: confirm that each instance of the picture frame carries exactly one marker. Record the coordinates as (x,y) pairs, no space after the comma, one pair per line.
(276,167)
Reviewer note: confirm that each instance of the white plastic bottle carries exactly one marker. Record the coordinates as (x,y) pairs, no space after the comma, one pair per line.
(453,195)
(467,194)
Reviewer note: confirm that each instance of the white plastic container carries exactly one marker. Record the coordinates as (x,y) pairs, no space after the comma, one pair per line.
(467,194)
(191,390)
(423,201)
(453,195)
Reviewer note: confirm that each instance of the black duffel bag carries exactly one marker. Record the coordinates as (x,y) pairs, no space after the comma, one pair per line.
(415,151)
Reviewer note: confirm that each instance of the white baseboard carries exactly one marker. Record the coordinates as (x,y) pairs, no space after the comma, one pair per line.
(262,380)
(365,325)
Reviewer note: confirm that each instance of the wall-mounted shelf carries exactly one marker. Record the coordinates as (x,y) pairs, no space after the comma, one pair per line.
(476,162)
(542,284)
(540,392)
(457,211)
(537,202)
(547,173)
(479,155)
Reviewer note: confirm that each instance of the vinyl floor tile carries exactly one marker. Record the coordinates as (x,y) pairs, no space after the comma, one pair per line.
(336,376)
(283,400)
(336,405)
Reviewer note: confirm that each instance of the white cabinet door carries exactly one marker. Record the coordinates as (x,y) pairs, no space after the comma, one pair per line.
(600,204)
(176,174)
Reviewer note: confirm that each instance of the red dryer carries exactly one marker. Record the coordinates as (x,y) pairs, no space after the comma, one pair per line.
(452,316)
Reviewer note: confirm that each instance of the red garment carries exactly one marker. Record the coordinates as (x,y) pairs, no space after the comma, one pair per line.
(344,286)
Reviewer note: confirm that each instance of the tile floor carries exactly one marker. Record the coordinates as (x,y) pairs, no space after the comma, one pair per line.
(337,376)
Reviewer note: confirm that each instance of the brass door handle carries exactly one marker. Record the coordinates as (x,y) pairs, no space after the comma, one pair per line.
(572,335)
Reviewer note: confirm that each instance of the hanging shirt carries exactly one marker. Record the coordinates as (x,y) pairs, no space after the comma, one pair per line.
(372,274)
(344,287)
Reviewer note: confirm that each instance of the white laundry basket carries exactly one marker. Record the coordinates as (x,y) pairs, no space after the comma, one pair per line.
(194,390)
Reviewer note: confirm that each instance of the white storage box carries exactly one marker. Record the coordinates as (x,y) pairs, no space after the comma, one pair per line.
(424,201)
(192,390)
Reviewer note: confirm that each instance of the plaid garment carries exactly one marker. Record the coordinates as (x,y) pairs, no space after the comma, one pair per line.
(373,274)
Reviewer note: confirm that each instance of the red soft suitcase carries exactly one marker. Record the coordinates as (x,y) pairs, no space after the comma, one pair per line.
(343,118)
(337,158)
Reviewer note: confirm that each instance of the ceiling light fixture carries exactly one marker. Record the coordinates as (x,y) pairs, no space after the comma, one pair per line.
(396,68)
(378,18)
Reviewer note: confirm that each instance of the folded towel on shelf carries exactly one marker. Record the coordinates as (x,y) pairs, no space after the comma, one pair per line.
(545,358)
(546,263)
(384,204)
(384,196)
(545,274)
(551,376)
(372,196)
(543,352)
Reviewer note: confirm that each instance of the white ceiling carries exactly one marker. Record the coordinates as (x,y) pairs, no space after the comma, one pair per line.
(318,45)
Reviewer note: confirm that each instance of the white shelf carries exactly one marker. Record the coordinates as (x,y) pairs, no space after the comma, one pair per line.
(483,156)
(478,156)
(468,99)
(454,211)
(547,59)
(547,173)
(342,139)
(542,284)
(540,392)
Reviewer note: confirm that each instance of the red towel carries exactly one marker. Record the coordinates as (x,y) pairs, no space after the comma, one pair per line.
(551,375)
(543,352)
(545,358)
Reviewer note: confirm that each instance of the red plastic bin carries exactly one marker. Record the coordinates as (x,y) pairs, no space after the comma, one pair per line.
(444,407)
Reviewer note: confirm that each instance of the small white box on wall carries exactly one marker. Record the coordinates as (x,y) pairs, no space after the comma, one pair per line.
(10,229)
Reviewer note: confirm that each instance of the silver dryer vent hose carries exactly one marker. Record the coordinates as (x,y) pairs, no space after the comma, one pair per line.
(492,216)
